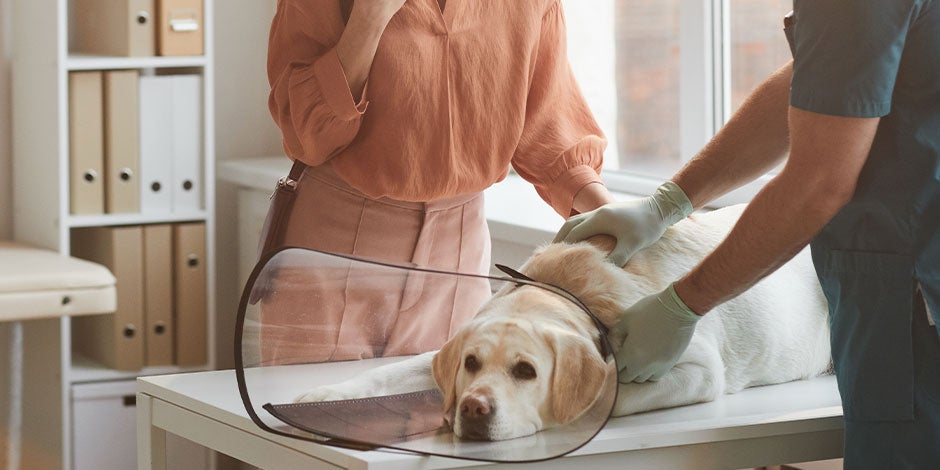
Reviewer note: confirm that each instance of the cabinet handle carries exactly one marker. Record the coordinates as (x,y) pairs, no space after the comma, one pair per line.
(130,330)
(126,174)
(187,185)
(159,328)
(192,261)
(143,17)
(91,176)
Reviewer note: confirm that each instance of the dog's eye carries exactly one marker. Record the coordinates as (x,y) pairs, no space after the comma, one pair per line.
(523,371)
(471,363)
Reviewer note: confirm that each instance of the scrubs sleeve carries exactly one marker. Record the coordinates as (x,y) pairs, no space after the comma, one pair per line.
(846,54)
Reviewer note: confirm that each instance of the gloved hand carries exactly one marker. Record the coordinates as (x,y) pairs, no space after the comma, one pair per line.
(658,328)
(635,224)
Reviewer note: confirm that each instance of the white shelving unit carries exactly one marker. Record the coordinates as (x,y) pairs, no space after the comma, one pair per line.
(41,67)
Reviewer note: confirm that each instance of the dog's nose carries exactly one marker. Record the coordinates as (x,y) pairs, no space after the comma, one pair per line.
(475,407)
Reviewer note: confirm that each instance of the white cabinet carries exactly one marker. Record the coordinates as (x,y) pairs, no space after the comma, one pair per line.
(102,414)
(104,431)
(72,407)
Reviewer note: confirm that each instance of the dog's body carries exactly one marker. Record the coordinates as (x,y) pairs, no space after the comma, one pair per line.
(529,360)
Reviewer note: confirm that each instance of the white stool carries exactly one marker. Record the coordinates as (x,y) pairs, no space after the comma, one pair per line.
(38,288)
(36,283)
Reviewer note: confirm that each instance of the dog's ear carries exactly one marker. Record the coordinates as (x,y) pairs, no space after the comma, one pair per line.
(579,374)
(444,367)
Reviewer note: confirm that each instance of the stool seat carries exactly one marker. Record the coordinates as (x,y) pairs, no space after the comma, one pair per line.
(37,283)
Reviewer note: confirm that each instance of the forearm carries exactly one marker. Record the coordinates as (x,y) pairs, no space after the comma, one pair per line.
(591,197)
(753,141)
(356,47)
(759,243)
(819,179)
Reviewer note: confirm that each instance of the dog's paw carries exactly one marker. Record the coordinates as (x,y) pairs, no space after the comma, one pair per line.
(326,393)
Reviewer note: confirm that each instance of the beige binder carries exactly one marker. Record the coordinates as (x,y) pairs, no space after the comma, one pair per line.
(180,27)
(112,27)
(86,143)
(189,291)
(122,141)
(116,341)
(158,295)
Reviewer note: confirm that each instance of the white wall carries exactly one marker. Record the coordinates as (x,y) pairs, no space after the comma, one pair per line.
(244,129)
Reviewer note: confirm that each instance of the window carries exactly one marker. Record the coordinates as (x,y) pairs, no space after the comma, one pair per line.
(662,76)
(758,46)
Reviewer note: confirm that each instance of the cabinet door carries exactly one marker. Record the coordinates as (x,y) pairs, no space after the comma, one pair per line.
(104,431)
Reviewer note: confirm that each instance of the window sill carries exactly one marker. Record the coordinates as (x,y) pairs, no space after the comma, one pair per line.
(516,213)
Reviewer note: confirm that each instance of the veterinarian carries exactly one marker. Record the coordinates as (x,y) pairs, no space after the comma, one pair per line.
(862,184)
(405,111)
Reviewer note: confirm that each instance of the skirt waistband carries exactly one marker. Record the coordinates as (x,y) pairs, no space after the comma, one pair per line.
(326,175)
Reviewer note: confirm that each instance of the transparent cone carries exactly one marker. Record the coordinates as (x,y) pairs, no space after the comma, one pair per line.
(357,353)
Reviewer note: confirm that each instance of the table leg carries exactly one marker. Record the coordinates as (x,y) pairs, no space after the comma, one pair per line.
(151,440)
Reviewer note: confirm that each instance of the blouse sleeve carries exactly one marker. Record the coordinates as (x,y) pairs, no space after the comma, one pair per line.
(310,98)
(561,149)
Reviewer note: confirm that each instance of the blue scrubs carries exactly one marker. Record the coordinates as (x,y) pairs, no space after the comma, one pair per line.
(879,259)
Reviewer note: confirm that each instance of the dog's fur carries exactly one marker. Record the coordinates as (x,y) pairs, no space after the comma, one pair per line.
(530,360)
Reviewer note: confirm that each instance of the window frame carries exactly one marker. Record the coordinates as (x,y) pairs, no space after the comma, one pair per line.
(704,96)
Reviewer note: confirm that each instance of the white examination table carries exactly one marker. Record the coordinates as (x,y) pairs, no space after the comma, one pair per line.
(794,422)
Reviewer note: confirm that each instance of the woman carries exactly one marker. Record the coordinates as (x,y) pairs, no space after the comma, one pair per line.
(405,111)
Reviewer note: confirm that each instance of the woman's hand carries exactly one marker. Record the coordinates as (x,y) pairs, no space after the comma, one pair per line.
(379,11)
(356,48)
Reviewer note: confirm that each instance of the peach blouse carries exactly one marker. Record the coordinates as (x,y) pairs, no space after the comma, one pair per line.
(452,99)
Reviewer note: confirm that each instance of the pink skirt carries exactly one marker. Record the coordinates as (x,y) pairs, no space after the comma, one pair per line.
(410,315)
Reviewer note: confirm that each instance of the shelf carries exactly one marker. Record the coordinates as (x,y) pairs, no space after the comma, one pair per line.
(92,62)
(85,370)
(110,220)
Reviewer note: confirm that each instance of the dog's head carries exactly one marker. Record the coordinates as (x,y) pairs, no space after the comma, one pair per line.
(528,361)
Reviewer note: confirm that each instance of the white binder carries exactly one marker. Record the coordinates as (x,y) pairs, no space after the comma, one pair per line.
(156,144)
(187,164)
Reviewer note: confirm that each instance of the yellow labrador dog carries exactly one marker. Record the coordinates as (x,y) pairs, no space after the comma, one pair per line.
(531,360)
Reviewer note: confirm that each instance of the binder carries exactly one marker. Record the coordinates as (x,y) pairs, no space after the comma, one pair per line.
(179,27)
(189,285)
(156,144)
(158,295)
(86,143)
(116,341)
(187,164)
(122,142)
(108,27)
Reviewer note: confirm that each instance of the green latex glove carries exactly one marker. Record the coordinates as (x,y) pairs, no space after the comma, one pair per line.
(658,328)
(635,224)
